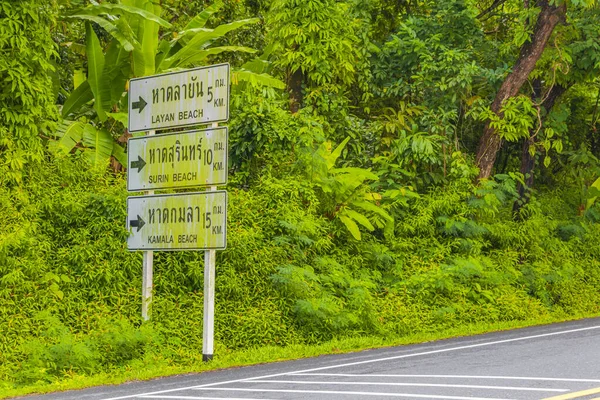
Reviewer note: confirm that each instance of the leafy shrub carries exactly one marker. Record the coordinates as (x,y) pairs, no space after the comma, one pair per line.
(288,276)
(28,84)
(59,350)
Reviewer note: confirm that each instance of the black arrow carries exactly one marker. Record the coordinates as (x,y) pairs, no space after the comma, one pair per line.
(137,223)
(139,164)
(139,104)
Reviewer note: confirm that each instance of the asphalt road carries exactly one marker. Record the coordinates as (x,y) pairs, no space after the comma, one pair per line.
(558,362)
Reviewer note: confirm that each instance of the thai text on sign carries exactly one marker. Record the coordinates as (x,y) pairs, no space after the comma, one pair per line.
(178,160)
(191,97)
(185,221)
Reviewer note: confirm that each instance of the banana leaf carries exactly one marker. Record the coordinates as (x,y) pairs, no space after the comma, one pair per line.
(80,96)
(122,9)
(200,38)
(100,88)
(98,143)
(124,39)
(70,134)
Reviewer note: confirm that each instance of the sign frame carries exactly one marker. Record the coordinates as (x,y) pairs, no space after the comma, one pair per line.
(142,103)
(225,161)
(130,227)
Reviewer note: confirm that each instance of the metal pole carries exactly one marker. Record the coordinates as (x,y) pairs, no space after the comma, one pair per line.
(208,331)
(148,262)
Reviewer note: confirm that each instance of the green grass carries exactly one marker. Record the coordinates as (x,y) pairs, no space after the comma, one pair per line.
(158,367)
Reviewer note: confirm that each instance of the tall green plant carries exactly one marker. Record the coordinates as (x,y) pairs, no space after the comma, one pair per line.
(135,49)
(347,198)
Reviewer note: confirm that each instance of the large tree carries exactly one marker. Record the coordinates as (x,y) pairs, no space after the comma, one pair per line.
(576,62)
(551,14)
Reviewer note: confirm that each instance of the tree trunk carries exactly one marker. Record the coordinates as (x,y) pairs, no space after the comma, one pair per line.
(294,83)
(490,142)
(527,160)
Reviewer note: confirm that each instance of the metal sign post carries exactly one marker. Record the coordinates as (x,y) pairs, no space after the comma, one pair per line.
(147,271)
(208,330)
(148,262)
(185,221)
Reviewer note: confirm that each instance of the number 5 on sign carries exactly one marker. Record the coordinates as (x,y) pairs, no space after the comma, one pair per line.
(191,97)
(186,221)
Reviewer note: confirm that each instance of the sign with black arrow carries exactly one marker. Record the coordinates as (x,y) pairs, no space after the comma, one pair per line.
(139,105)
(178,160)
(185,221)
(192,97)
(139,164)
(137,223)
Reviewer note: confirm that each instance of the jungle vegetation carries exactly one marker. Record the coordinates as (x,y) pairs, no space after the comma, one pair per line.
(397,168)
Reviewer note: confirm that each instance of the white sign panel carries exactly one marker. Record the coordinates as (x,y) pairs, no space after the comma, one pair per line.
(178,160)
(191,97)
(185,221)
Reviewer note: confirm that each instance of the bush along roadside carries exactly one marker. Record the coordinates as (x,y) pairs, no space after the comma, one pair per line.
(292,273)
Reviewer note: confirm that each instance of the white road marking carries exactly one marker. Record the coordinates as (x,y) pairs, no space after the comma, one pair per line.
(382,394)
(518,378)
(409,384)
(424,353)
(200,398)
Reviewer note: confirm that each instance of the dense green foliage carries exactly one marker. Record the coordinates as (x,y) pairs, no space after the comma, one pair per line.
(70,289)
(354,205)
(27,82)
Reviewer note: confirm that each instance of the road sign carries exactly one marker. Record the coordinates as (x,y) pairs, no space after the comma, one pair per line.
(191,97)
(185,221)
(178,160)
